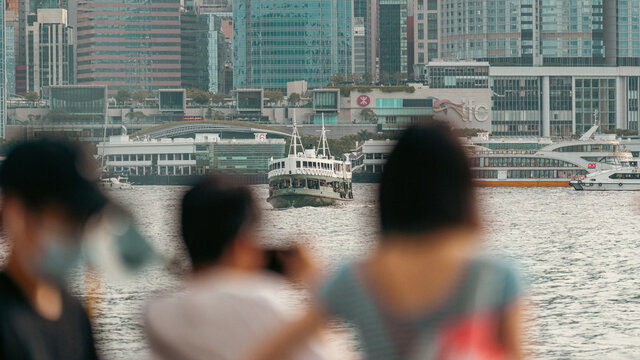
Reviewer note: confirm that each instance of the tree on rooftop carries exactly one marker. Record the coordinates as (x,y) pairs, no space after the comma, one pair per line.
(218,99)
(122,96)
(399,78)
(294,99)
(338,78)
(367,78)
(140,96)
(274,96)
(32,96)
(353,78)
(198,96)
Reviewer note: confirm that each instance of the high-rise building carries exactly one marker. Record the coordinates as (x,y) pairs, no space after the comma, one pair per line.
(392,25)
(3,75)
(367,10)
(129,44)
(359,46)
(425,31)
(50,50)
(280,41)
(205,50)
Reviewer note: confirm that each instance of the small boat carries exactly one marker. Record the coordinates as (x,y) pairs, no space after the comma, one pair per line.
(116,183)
(309,177)
(621,179)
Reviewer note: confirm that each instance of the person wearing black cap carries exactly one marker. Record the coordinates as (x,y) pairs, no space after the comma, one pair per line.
(48,196)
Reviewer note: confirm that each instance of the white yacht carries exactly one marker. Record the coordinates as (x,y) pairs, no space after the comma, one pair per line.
(621,179)
(309,177)
(116,182)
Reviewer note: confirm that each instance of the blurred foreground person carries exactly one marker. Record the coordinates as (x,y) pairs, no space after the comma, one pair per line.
(230,303)
(423,293)
(47,198)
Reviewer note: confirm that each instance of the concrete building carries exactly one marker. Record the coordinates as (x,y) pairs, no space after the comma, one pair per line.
(3,72)
(50,50)
(280,41)
(204,154)
(557,101)
(129,45)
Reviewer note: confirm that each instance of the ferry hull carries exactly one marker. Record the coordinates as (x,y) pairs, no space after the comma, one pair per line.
(284,201)
(521,183)
(581,186)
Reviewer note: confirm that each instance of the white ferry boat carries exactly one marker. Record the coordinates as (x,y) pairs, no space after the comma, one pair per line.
(552,165)
(621,179)
(309,177)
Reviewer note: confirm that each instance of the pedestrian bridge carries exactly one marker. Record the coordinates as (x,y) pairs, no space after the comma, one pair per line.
(226,129)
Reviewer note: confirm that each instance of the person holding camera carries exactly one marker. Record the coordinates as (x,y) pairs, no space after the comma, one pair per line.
(231,301)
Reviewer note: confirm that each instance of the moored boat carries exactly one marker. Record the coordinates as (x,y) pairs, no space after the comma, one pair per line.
(553,165)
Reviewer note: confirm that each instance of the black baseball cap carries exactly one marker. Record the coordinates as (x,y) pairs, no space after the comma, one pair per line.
(52,172)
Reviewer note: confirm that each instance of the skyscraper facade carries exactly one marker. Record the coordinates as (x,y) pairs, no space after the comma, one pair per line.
(279,41)
(3,75)
(132,44)
(367,10)
(205,51)
(50,50)
(392,25)
(425,30)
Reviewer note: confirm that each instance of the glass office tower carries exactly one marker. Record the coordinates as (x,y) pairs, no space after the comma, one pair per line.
(393,36)
(3,72)
(279,41)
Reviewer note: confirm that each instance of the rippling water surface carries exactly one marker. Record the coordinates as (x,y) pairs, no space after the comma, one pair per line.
(579,252)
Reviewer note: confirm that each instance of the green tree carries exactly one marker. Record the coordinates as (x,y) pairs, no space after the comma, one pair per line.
(338,78)
(274,96)
(32,96)
(140,96)
(399,78)
(367,78)
(198,96)
(218,99)
(135,116)
(385,78)
(368,115)
(353,78)
(122,96)
(294,99)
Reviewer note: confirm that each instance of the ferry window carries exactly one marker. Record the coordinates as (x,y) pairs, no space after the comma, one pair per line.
(297,164)
(147,157)
(170,157)
(185,156)
(304,164)
(282,164)
(118,157)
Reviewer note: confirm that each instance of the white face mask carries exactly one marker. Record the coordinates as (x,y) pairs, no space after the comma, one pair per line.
(58,258)
(55,259)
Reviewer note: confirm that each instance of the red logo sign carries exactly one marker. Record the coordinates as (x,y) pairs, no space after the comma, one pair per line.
(364,100)
(591,166)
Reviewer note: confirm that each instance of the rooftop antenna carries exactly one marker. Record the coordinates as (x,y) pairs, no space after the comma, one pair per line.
(295,138)
(323,145)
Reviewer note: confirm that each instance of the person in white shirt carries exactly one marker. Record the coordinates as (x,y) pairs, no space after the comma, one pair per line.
(230,303)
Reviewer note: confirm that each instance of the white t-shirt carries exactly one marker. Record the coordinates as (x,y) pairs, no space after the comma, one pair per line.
(224,316)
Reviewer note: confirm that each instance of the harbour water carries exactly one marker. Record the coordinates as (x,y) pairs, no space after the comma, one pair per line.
(578,251)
